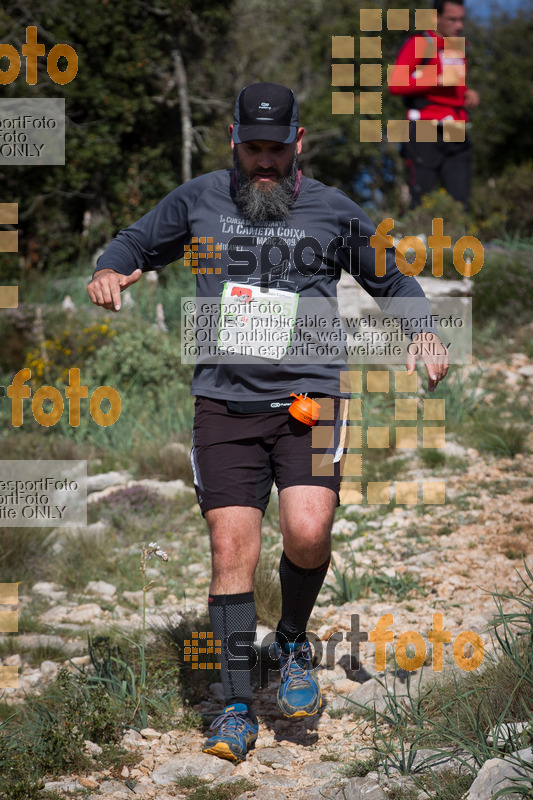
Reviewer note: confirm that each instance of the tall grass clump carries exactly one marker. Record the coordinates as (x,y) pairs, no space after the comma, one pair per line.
(463,396)
(502,438)
(470,718)
(124,683)
(47,735)
(351,584)
(267,590)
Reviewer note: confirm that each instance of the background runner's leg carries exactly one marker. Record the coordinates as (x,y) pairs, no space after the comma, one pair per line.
(424,160)
(456,172)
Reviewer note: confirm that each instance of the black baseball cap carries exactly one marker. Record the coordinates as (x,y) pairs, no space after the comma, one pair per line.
(265,111)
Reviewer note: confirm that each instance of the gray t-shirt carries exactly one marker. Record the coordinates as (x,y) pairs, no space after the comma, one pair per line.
(301,256)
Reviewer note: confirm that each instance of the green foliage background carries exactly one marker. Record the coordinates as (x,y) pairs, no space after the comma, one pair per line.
(123,141)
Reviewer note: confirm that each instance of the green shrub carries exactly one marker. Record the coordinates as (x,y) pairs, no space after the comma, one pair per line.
(144,357)
(21,550)
(502,290)
(432,458)
(504,205)
(494,436)
(49,342)
(51,359)
(48,735)
(456,223)
(359,767)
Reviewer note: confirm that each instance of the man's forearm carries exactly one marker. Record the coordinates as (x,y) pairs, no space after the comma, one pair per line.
(119,257)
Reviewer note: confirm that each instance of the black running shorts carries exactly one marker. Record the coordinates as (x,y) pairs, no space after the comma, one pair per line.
(236,457)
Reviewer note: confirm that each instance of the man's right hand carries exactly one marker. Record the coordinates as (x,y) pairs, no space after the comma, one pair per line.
(106,286)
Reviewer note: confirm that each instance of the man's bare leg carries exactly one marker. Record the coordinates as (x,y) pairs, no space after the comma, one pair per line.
(235,534)
(306,517)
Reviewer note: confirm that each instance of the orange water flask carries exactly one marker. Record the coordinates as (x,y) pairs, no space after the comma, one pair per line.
(304,409)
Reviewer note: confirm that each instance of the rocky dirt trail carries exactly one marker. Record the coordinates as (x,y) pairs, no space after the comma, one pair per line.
(454,555)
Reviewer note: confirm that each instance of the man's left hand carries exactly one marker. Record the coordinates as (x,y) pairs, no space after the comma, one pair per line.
(471,98)
(429,347)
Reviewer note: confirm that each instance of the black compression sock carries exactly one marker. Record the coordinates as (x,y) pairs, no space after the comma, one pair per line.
(299,590)
(234,623)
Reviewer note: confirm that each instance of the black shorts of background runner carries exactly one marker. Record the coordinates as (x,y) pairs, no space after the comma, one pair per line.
(236,457)
(428,161)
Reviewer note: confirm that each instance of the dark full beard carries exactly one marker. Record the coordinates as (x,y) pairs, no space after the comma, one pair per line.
(265,204)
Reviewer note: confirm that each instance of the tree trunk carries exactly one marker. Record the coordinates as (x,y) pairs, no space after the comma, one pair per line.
(180,77)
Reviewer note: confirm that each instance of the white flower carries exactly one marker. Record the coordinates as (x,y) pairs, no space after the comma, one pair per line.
(161,554)
(154,549)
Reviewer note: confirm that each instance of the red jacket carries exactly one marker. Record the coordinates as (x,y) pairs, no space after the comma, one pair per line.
(425,71)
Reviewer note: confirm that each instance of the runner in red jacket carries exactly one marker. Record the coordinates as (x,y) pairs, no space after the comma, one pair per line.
(430,73)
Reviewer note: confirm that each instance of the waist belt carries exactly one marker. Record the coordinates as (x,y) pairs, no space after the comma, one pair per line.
(259,406)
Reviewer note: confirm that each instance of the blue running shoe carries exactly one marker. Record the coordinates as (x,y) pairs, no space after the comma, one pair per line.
(236,734)
(299,694)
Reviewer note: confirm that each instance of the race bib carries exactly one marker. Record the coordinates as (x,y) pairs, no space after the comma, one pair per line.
(255,322)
